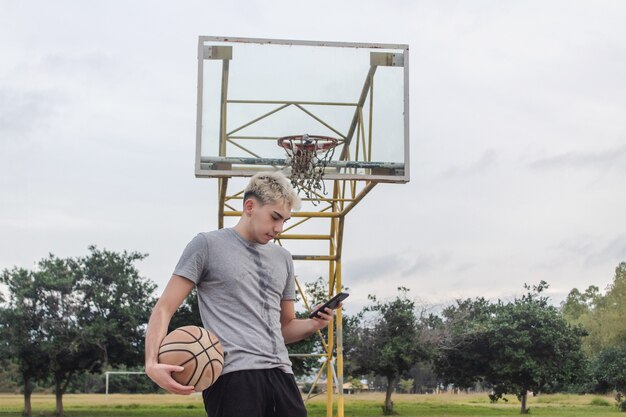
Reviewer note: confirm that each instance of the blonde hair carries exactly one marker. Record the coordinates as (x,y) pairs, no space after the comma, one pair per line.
(272,187)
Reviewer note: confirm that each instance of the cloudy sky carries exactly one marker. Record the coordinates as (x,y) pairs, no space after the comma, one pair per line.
(518,137)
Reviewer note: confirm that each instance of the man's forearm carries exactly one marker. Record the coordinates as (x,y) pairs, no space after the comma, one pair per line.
(156,331)
(298,329)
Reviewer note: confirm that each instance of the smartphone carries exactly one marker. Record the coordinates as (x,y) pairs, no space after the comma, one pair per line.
(332,303)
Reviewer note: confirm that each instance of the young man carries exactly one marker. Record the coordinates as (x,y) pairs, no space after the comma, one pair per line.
(246,291)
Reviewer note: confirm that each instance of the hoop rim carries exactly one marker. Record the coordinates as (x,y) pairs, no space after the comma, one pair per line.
(321,143)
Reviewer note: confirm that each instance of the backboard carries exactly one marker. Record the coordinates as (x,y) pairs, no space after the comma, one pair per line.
(251,92)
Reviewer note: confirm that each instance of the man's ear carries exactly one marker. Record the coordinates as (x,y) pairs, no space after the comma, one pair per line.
(248,205)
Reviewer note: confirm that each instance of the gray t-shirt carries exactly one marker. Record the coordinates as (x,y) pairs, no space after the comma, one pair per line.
(240,285)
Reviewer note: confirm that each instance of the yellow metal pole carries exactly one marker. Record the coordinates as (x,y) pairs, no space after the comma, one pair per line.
(317,103)
(329,346)
(339,318)
(362,136)
(298,214)
(332,271)
(303,237)
(223,182)
(339,330)
(358,134)
(222,185)
(317,377)
(224,106)
(369,154)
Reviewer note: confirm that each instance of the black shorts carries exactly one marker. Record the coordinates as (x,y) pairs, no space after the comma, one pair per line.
(254,393)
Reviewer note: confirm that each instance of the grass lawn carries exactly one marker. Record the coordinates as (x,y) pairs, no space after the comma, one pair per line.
(407,405)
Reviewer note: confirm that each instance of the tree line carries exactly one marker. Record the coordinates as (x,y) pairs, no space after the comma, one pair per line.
(69,319)
(71,316)
(514,348)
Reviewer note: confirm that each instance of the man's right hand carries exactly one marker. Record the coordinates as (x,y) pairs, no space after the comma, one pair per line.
(161,374)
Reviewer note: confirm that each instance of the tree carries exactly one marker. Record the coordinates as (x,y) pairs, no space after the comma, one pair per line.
(67,347)
(522,346)
(532,347)
(462,342)
(610,372)
(116,303)
(578,305)
(389,343)
(602,315)
(21,330)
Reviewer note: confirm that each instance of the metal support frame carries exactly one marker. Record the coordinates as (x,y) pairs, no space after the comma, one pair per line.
(353,175)
(346,194)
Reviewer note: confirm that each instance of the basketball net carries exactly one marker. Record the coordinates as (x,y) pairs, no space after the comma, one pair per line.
(308,156)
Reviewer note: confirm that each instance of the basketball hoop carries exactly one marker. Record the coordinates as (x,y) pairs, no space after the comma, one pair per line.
(308,155)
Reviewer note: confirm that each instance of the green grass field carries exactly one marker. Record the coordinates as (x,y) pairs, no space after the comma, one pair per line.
(440,405)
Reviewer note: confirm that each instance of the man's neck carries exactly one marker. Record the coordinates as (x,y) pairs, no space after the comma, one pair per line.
(243,231)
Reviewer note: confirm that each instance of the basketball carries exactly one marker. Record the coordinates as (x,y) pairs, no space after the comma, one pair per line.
(198,351)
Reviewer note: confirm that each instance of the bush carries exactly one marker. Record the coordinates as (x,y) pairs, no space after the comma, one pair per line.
(600,402)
